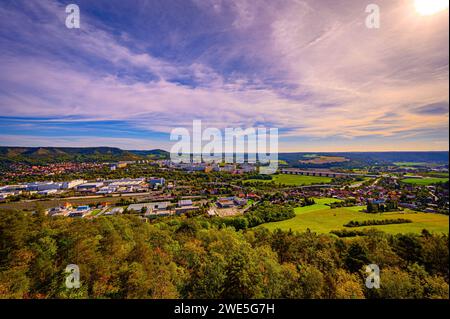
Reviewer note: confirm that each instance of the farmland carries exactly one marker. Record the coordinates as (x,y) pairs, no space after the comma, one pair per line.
(294,180)
(315,159)
(412,164)
(320,218)
(425,181)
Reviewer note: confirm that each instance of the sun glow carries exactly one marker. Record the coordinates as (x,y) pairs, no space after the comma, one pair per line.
(429,7)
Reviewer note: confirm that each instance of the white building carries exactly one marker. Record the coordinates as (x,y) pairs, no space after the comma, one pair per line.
(72,184)
(107,190)
(149,206)
(47,192)
(4,195)
(126,182)
(58,211)
(247,168)
(17,189)
(184,202)
(43,186)
(227,168)
(89,187)
(115,211)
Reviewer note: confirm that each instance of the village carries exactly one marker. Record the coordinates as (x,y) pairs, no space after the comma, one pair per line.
(151,197)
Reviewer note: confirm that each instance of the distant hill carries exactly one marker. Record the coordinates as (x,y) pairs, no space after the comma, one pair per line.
(45,155)
(355,159)
(153,154)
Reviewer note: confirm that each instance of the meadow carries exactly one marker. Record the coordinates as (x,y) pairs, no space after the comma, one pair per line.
(324,159)
(293,180)
(95,212)
(424,181)
(321,218)
(410,163)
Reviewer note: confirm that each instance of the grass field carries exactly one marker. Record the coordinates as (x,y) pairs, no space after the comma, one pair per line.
(294,180)
(410,163)
(324,159)
(95,212)
(424,181)
(358,183)
(322,219)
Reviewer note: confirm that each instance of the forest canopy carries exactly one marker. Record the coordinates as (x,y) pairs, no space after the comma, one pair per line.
(124,257)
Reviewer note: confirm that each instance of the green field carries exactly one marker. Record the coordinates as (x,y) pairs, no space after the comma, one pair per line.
(322,219)
(293,180)
(424,181)
(95,212)
(410,163)
(310,155)
(358,183)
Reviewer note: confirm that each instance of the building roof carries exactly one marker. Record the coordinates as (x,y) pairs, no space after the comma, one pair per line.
(225,202)
(95,184)
(186,207)
(185,202)
(157,205)
(159,213)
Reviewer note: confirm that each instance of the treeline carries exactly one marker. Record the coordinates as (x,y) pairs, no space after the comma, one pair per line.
(265,177)
(349,233)
(355,223)
(265,212)
(387,206)
(344,203)
(123,257)
(48,155)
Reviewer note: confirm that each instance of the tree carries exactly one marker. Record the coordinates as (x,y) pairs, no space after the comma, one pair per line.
(348,286)
(398,284)
(310,283)
(409,248)
(196,257)
(356,257)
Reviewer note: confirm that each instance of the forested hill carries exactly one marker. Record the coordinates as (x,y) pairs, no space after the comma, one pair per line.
(157,154)
(121,257)
(44,155)
(362,159)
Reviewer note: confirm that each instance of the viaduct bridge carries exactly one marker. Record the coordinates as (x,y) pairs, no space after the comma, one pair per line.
(296,171)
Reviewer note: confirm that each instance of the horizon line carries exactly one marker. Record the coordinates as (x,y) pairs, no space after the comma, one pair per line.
(282,152)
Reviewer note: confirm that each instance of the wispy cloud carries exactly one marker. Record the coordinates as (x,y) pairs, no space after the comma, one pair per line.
(83,141)
(310,68)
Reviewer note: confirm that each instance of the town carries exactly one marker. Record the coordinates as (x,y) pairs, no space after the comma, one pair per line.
(224,151)
(217,189)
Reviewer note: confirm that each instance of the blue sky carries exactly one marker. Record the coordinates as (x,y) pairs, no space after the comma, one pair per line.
(137,69)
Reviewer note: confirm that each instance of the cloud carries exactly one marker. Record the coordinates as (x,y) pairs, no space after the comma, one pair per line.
(439,108)
(82,141)
(310,68)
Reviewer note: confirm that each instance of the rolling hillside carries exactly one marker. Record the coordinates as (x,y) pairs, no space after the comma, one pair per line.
(361,159)
(43,155)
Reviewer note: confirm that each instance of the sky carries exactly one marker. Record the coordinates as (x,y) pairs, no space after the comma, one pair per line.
(135,70)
